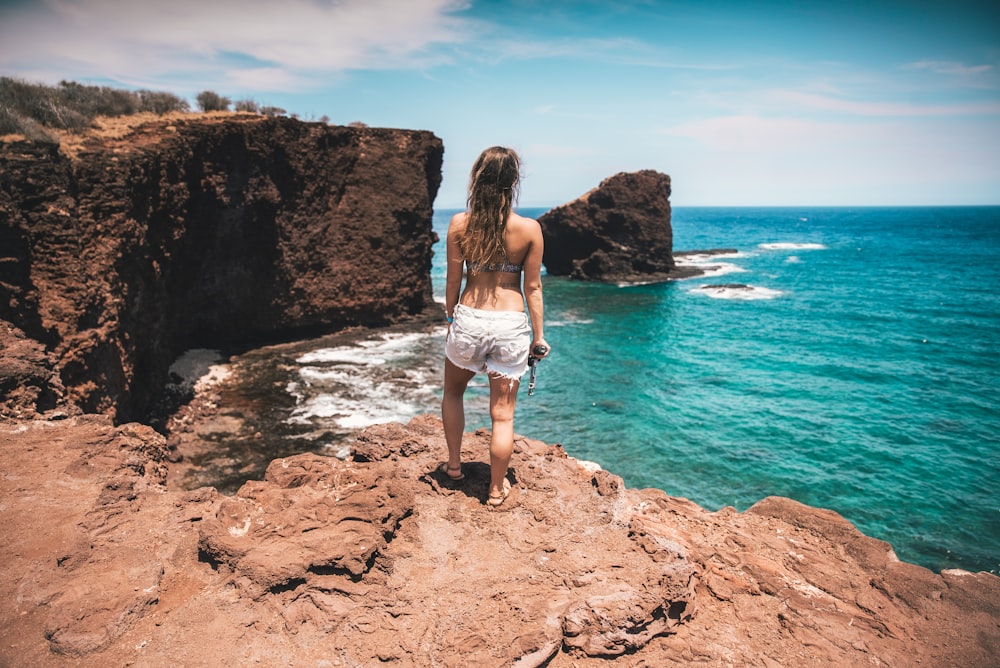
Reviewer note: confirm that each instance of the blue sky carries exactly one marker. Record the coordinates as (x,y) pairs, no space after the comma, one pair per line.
(773,102)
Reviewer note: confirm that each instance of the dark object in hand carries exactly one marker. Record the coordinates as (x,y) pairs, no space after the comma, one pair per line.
(537,352)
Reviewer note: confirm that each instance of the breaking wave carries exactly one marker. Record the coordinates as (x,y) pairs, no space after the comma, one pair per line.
(791,246)
(737,291)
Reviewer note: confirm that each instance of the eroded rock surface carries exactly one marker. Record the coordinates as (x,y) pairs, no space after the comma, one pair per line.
(29,384)
(378,559)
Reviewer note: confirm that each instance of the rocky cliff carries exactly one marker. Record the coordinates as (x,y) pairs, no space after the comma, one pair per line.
(119,252)
(377,560)
(618,232)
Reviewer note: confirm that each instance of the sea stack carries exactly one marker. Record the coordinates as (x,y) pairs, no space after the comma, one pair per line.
(618,232)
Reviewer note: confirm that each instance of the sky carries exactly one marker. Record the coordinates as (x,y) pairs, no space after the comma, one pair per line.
(752,103)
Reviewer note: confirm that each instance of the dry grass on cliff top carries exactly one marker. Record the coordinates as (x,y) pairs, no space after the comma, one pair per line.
(118,127)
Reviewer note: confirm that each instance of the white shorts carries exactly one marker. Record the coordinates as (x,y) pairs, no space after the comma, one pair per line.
(496,342)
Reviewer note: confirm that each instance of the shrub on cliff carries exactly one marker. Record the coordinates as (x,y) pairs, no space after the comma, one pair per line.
(29,108)
(161,103)
(211,101)
(247,105)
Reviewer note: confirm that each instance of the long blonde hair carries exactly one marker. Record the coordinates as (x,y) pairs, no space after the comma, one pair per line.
(493,186)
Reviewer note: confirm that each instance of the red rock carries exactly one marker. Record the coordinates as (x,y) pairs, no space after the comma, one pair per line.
(378,559)
(28,383)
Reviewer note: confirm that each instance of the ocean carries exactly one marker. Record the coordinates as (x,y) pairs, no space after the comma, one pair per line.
(842,357)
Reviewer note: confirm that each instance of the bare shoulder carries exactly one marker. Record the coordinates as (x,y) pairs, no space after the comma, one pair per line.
(457,223)
(528,225)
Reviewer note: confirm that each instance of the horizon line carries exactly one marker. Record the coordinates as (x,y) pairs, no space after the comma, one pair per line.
(764,206)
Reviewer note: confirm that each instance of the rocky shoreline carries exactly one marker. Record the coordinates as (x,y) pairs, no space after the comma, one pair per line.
(375,559)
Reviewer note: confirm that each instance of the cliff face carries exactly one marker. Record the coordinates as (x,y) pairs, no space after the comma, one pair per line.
(208,232)
(619,231)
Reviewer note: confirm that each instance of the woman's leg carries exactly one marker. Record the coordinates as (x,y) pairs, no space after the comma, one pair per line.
(456,379)
(503,397)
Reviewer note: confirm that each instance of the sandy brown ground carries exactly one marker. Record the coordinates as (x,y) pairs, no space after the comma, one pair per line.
(378,560)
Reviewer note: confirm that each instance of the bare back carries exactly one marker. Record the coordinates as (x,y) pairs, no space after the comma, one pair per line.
(496,290)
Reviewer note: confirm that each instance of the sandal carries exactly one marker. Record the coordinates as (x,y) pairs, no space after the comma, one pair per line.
(448,471)
(496,499)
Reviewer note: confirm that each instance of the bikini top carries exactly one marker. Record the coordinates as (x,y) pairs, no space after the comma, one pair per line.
(506,267)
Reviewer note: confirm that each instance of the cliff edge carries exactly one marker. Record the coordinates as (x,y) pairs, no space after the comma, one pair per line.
(377,560)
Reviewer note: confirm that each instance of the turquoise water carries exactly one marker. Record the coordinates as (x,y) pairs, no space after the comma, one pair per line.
(858,372)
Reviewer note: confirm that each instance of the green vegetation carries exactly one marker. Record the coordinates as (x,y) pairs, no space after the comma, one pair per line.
(31,109)
(249,106)
(212,101)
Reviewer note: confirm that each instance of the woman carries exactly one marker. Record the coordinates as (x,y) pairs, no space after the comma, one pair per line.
(487,326)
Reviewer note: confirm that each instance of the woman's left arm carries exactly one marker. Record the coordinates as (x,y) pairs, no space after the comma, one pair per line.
(456,264)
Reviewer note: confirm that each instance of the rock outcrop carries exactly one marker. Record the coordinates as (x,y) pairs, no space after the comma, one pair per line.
(29,383)
(377,559)
(121,252)
(618,232)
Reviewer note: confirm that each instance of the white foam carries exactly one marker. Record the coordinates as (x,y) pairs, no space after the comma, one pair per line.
(200,366)
(791,246)
(344,355)
(738,292)
(709,264)
(354,412)
(569,321)
(704,258)
(394,341)
(195,363)
(377,351)
(313,374)
(366,382)
(720,269)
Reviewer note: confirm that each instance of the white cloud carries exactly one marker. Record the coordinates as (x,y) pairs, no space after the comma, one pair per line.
(265,78)
(756,133)
(285,43)
(879,108)
(949,67)
(751,160)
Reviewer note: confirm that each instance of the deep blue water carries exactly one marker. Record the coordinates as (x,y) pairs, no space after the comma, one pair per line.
(858,373)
